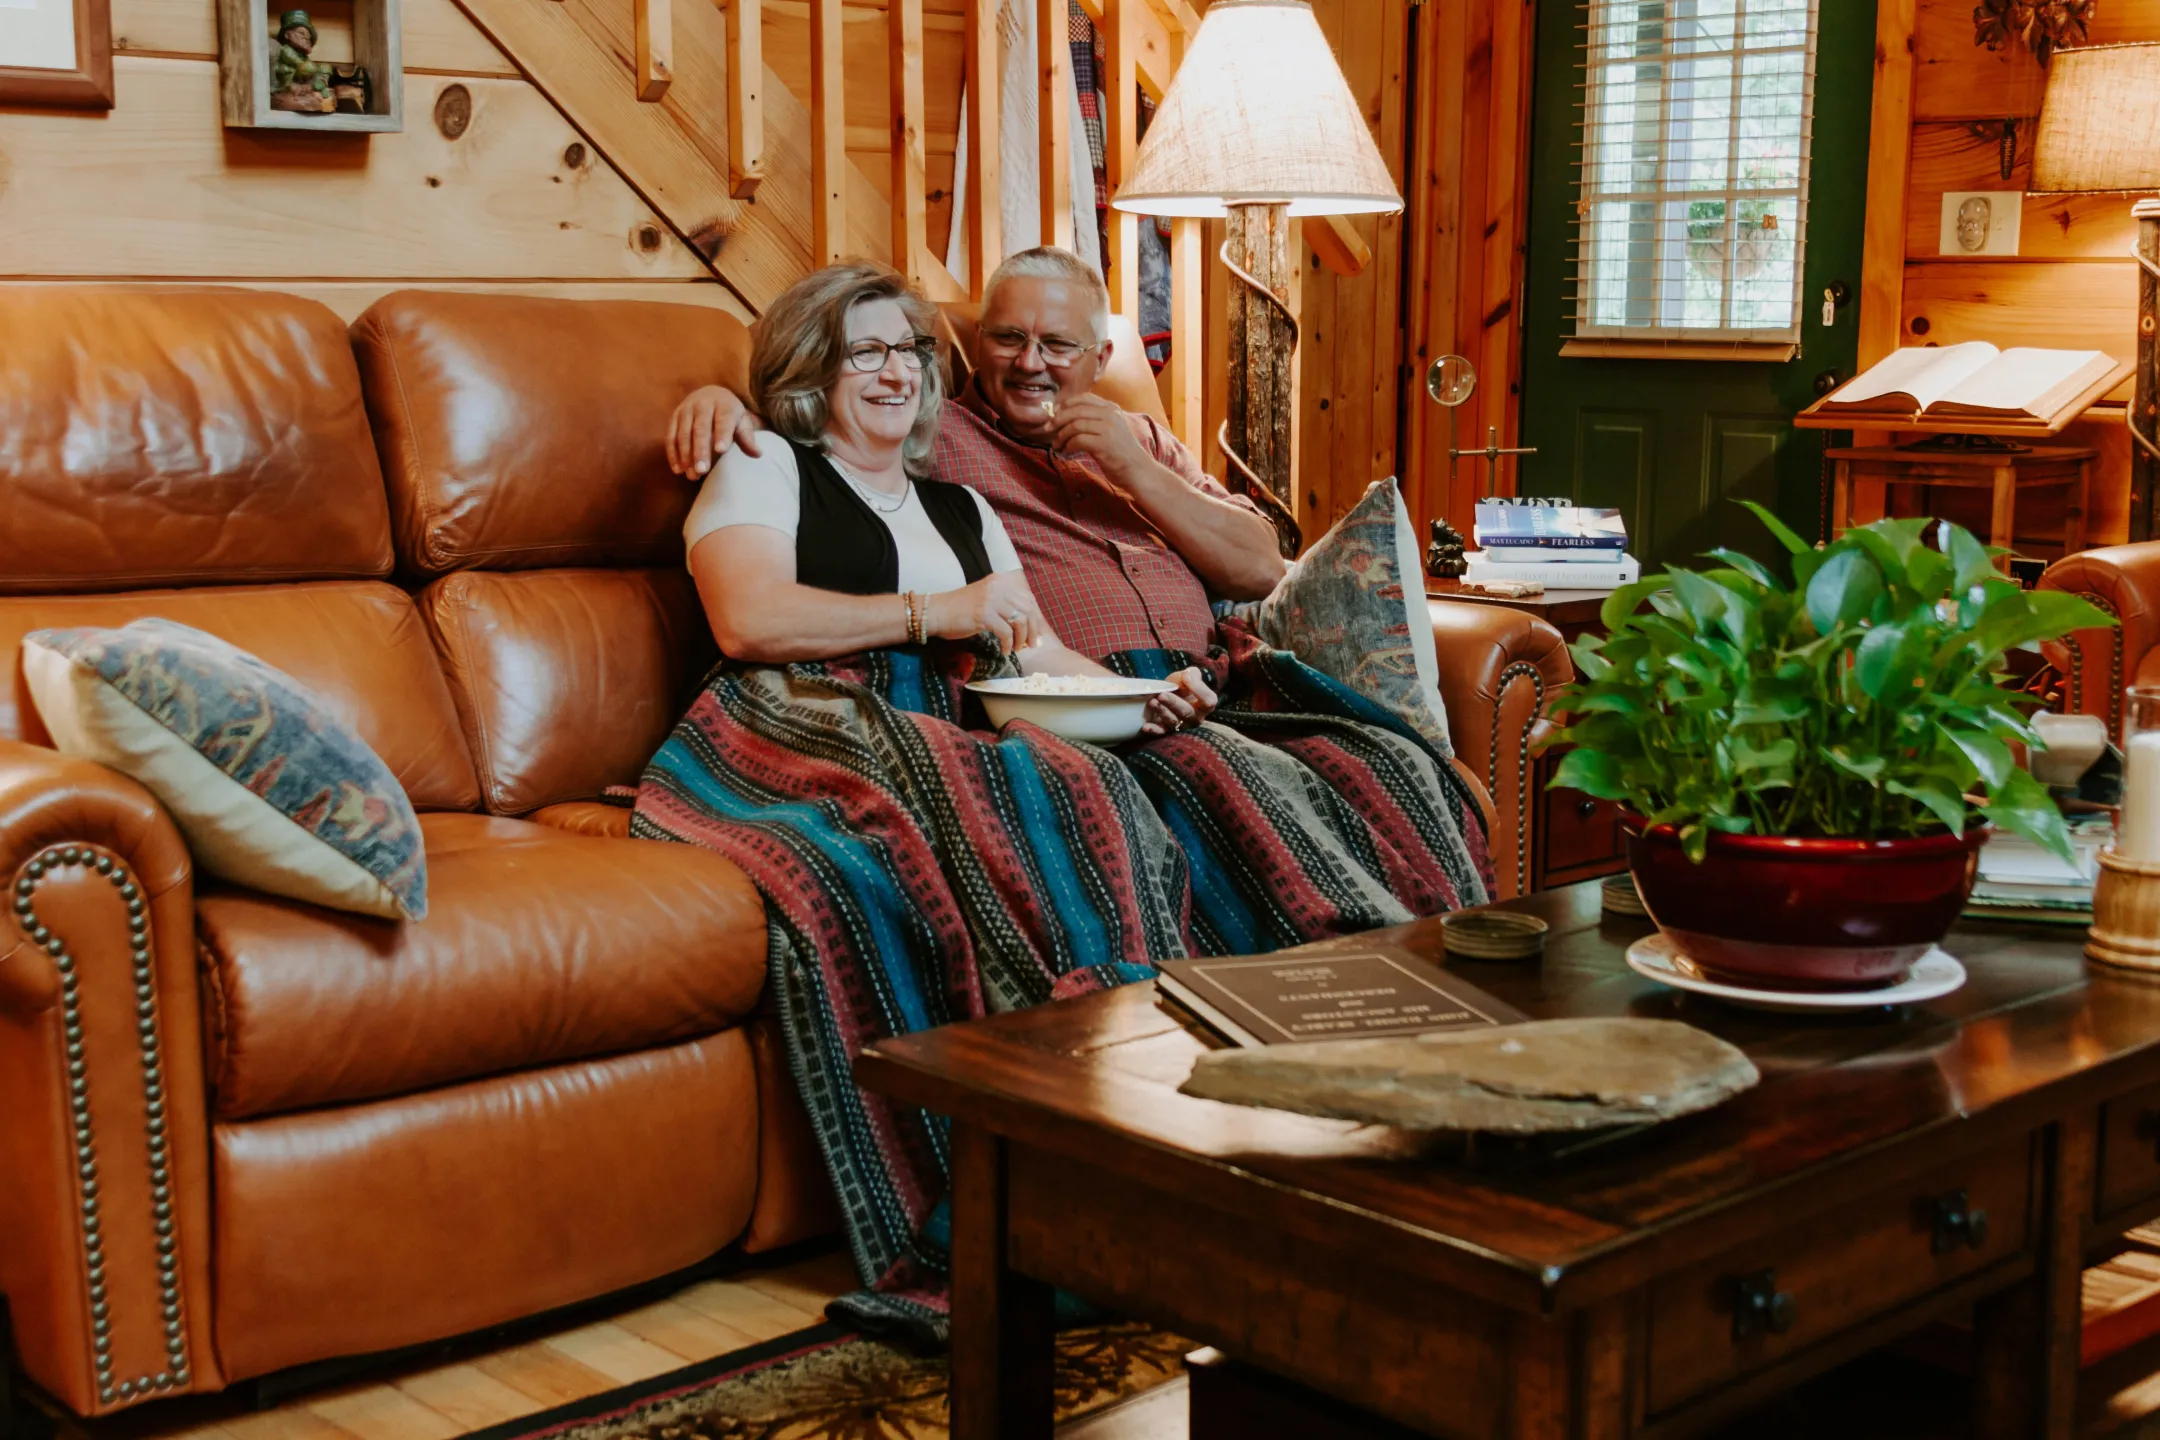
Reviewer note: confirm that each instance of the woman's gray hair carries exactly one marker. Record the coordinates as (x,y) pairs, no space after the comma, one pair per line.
(802,345)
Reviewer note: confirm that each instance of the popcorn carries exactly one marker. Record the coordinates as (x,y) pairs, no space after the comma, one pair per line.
(1071,685)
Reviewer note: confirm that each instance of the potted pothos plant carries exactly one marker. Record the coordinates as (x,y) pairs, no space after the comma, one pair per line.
(1814,757)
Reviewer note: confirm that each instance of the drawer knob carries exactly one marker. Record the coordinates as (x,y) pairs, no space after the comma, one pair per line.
(1584,809)
(1958,1222)
(1758,1306)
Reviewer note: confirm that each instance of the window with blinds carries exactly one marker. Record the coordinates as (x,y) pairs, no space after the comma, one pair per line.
(1694,156)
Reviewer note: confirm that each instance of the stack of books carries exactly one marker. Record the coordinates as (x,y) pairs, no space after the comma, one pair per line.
(1561,546)
(2020,881)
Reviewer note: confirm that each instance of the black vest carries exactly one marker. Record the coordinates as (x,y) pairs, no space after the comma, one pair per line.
(842,544)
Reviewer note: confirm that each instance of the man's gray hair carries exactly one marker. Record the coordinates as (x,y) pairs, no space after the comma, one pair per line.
(1049,262)
(802,343)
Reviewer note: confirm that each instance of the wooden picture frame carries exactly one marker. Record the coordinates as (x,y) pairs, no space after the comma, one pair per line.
(87,85)
(244,31)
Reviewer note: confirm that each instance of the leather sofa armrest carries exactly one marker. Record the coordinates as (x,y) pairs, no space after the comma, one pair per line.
(104,1139)
(1500,670)
(2123,580)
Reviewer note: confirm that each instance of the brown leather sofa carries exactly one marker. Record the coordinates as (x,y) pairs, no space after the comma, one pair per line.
(240,1133)
(2097,665)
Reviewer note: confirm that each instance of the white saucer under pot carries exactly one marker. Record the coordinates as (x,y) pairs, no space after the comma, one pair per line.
(1932,976)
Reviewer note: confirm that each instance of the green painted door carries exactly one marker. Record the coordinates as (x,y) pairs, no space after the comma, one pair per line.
(1671,443)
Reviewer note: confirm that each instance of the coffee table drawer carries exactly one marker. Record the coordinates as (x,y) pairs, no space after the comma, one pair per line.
(1761,1302)
(2129,1150)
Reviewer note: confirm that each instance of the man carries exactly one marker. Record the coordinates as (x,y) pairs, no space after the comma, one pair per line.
(1122,536)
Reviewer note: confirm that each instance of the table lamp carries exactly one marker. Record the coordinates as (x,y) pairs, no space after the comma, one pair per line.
(1258,125)
(2100,134)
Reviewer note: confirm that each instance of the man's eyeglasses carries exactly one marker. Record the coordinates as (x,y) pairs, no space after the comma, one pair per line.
(1057,351)
(868,356)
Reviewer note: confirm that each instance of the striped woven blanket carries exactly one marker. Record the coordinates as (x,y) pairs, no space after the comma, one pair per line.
(916,872)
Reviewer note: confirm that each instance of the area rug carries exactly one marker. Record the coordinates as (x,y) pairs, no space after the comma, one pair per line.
(832,1383)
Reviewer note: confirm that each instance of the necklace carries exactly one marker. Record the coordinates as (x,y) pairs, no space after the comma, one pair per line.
(871,494)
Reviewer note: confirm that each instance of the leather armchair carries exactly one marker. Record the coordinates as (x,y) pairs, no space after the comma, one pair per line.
(2096,665)
(1500,671)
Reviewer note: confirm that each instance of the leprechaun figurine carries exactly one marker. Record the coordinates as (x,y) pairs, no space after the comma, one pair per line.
(298,83)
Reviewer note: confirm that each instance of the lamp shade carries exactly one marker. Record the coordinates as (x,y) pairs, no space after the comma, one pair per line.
(1259,113)
(2100,121)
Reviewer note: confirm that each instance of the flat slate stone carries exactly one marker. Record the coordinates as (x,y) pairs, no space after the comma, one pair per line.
(1539,1077)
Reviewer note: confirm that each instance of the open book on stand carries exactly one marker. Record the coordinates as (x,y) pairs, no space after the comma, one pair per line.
(1970,387)
(1364,993)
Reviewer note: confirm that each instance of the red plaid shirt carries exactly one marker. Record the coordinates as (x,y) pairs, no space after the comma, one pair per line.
(1104,576)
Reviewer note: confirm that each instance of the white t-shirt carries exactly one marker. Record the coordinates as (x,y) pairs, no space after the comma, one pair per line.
(767,490)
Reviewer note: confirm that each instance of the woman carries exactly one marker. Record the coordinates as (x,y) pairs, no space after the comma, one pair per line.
(831,540)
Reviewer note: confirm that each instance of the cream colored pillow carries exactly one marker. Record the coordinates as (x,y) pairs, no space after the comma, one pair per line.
(270,789)
(1353,606)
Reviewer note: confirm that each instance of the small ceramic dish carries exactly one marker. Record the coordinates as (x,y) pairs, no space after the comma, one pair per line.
(1620,897)
(1109,713)
(1493,935)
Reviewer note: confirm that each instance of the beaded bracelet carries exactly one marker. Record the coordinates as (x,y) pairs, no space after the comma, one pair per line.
(918,626)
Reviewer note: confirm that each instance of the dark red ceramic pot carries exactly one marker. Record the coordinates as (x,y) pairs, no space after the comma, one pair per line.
(1770,910)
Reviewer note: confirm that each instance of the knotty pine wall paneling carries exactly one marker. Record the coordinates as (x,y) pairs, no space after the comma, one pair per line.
(160,191)
(1469,124)
(2072,284)
(1350,350)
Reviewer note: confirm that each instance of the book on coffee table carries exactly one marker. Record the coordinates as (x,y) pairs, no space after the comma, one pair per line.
(1335,994)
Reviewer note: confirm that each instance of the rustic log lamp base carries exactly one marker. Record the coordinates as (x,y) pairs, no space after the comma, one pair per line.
(2126,914)
(1258,123)
(1263,335)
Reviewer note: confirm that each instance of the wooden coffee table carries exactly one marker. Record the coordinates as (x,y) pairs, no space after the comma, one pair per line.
(1647,1285)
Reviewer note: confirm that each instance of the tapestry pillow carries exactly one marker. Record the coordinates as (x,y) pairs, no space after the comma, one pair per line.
(270,789)
(1353,606)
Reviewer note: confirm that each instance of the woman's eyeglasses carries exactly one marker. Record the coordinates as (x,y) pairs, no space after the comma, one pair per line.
(1057,351)
(868,356)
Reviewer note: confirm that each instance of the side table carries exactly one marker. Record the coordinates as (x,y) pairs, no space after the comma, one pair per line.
(2001,472)
(1571,612)
(1573,836)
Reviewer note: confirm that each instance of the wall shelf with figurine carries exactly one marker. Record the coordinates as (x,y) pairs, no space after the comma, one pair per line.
(273,76)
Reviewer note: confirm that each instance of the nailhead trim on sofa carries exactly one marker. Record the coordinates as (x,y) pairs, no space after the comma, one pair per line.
(176,1372)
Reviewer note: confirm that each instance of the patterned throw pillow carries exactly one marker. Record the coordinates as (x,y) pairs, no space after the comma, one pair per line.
(270,788)
(1353,606)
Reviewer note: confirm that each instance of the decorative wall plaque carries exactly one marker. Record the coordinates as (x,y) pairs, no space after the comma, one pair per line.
(2043,26)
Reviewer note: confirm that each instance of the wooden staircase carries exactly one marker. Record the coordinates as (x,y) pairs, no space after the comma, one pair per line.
(676,94)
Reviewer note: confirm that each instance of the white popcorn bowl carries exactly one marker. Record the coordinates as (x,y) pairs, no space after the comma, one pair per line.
(1105,717)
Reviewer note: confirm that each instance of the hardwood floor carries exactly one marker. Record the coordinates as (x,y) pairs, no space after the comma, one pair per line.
(443,1400)
(440,1401)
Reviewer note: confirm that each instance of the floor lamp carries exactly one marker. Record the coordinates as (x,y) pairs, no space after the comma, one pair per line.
(1259,126)
(2100,133)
